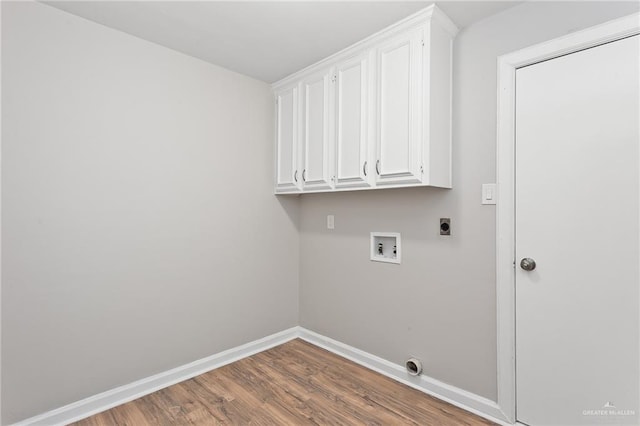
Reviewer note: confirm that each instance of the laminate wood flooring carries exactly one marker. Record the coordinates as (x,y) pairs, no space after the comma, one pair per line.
(296,383)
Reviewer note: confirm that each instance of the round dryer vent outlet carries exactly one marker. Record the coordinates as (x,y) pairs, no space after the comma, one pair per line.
(414,366)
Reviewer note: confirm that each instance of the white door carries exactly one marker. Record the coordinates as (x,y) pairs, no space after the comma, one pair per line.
(316,133)
(399,109)
(287,175)
(577,217)
(352,113)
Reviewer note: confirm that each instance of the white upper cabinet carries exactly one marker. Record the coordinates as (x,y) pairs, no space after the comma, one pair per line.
(287,179)
(399,109)
(374,115)
(316,131)
(352,80)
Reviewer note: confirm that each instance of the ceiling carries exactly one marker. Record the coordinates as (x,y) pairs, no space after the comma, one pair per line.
(267,40)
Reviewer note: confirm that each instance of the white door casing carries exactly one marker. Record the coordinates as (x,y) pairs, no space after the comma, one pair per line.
(507,66)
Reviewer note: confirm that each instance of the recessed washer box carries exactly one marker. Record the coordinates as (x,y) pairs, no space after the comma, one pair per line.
(385,247)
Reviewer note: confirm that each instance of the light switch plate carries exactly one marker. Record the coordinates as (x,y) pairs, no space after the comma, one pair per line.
(489,193)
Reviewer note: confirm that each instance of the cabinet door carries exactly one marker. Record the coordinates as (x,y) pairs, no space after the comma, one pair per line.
(287,174)
(399,109)
(352,118)
(316,136)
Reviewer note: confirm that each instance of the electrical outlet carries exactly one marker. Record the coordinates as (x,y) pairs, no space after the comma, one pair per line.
(331,223)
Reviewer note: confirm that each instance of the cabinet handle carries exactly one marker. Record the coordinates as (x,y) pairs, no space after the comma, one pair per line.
(378,167)
(364,168)
(295,176)
(304,179)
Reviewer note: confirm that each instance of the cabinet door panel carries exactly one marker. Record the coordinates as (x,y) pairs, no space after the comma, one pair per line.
(399,66)
(316,135)
(351,122)
(287,175)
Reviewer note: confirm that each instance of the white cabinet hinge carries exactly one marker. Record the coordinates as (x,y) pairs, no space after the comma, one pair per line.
(333,79)
(422,169)
(422,43)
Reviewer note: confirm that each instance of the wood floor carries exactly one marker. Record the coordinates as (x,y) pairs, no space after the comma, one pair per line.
(293,384)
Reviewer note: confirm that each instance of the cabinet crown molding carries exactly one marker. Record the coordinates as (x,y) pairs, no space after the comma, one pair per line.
(417,19)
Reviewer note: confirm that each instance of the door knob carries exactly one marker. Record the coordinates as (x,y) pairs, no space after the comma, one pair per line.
(528,264)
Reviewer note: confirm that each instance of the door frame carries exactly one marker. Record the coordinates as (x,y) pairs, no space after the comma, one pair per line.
(505,178)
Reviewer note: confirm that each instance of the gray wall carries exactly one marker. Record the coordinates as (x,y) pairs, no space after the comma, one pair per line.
(439,305)
(140,231)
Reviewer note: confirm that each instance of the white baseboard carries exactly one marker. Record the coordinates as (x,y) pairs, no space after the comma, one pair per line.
(468,401)
(120,395)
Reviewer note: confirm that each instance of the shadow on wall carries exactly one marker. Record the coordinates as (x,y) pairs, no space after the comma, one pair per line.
(291,206)
(410,210)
